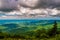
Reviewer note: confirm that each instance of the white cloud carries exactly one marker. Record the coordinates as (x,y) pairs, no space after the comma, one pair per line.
(33,13)
(27,11)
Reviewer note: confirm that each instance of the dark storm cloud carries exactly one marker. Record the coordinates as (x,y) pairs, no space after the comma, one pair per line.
(9,5)
(40,3)
(48,4)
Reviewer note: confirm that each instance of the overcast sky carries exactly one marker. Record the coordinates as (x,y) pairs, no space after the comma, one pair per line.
(31,5)
(12,4)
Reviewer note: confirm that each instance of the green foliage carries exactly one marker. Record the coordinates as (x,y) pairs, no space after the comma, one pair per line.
(39,32)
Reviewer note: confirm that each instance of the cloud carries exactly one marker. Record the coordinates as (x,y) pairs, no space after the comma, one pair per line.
(8,5)
(29,3)
(40,3)
(36,8)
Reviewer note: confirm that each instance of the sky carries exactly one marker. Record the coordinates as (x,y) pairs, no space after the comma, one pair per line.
(29,8)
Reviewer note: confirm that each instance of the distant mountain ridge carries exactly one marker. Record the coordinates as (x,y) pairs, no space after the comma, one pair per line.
(27,25)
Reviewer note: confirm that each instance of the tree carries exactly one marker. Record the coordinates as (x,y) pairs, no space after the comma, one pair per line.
(53,31)
(1,35)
